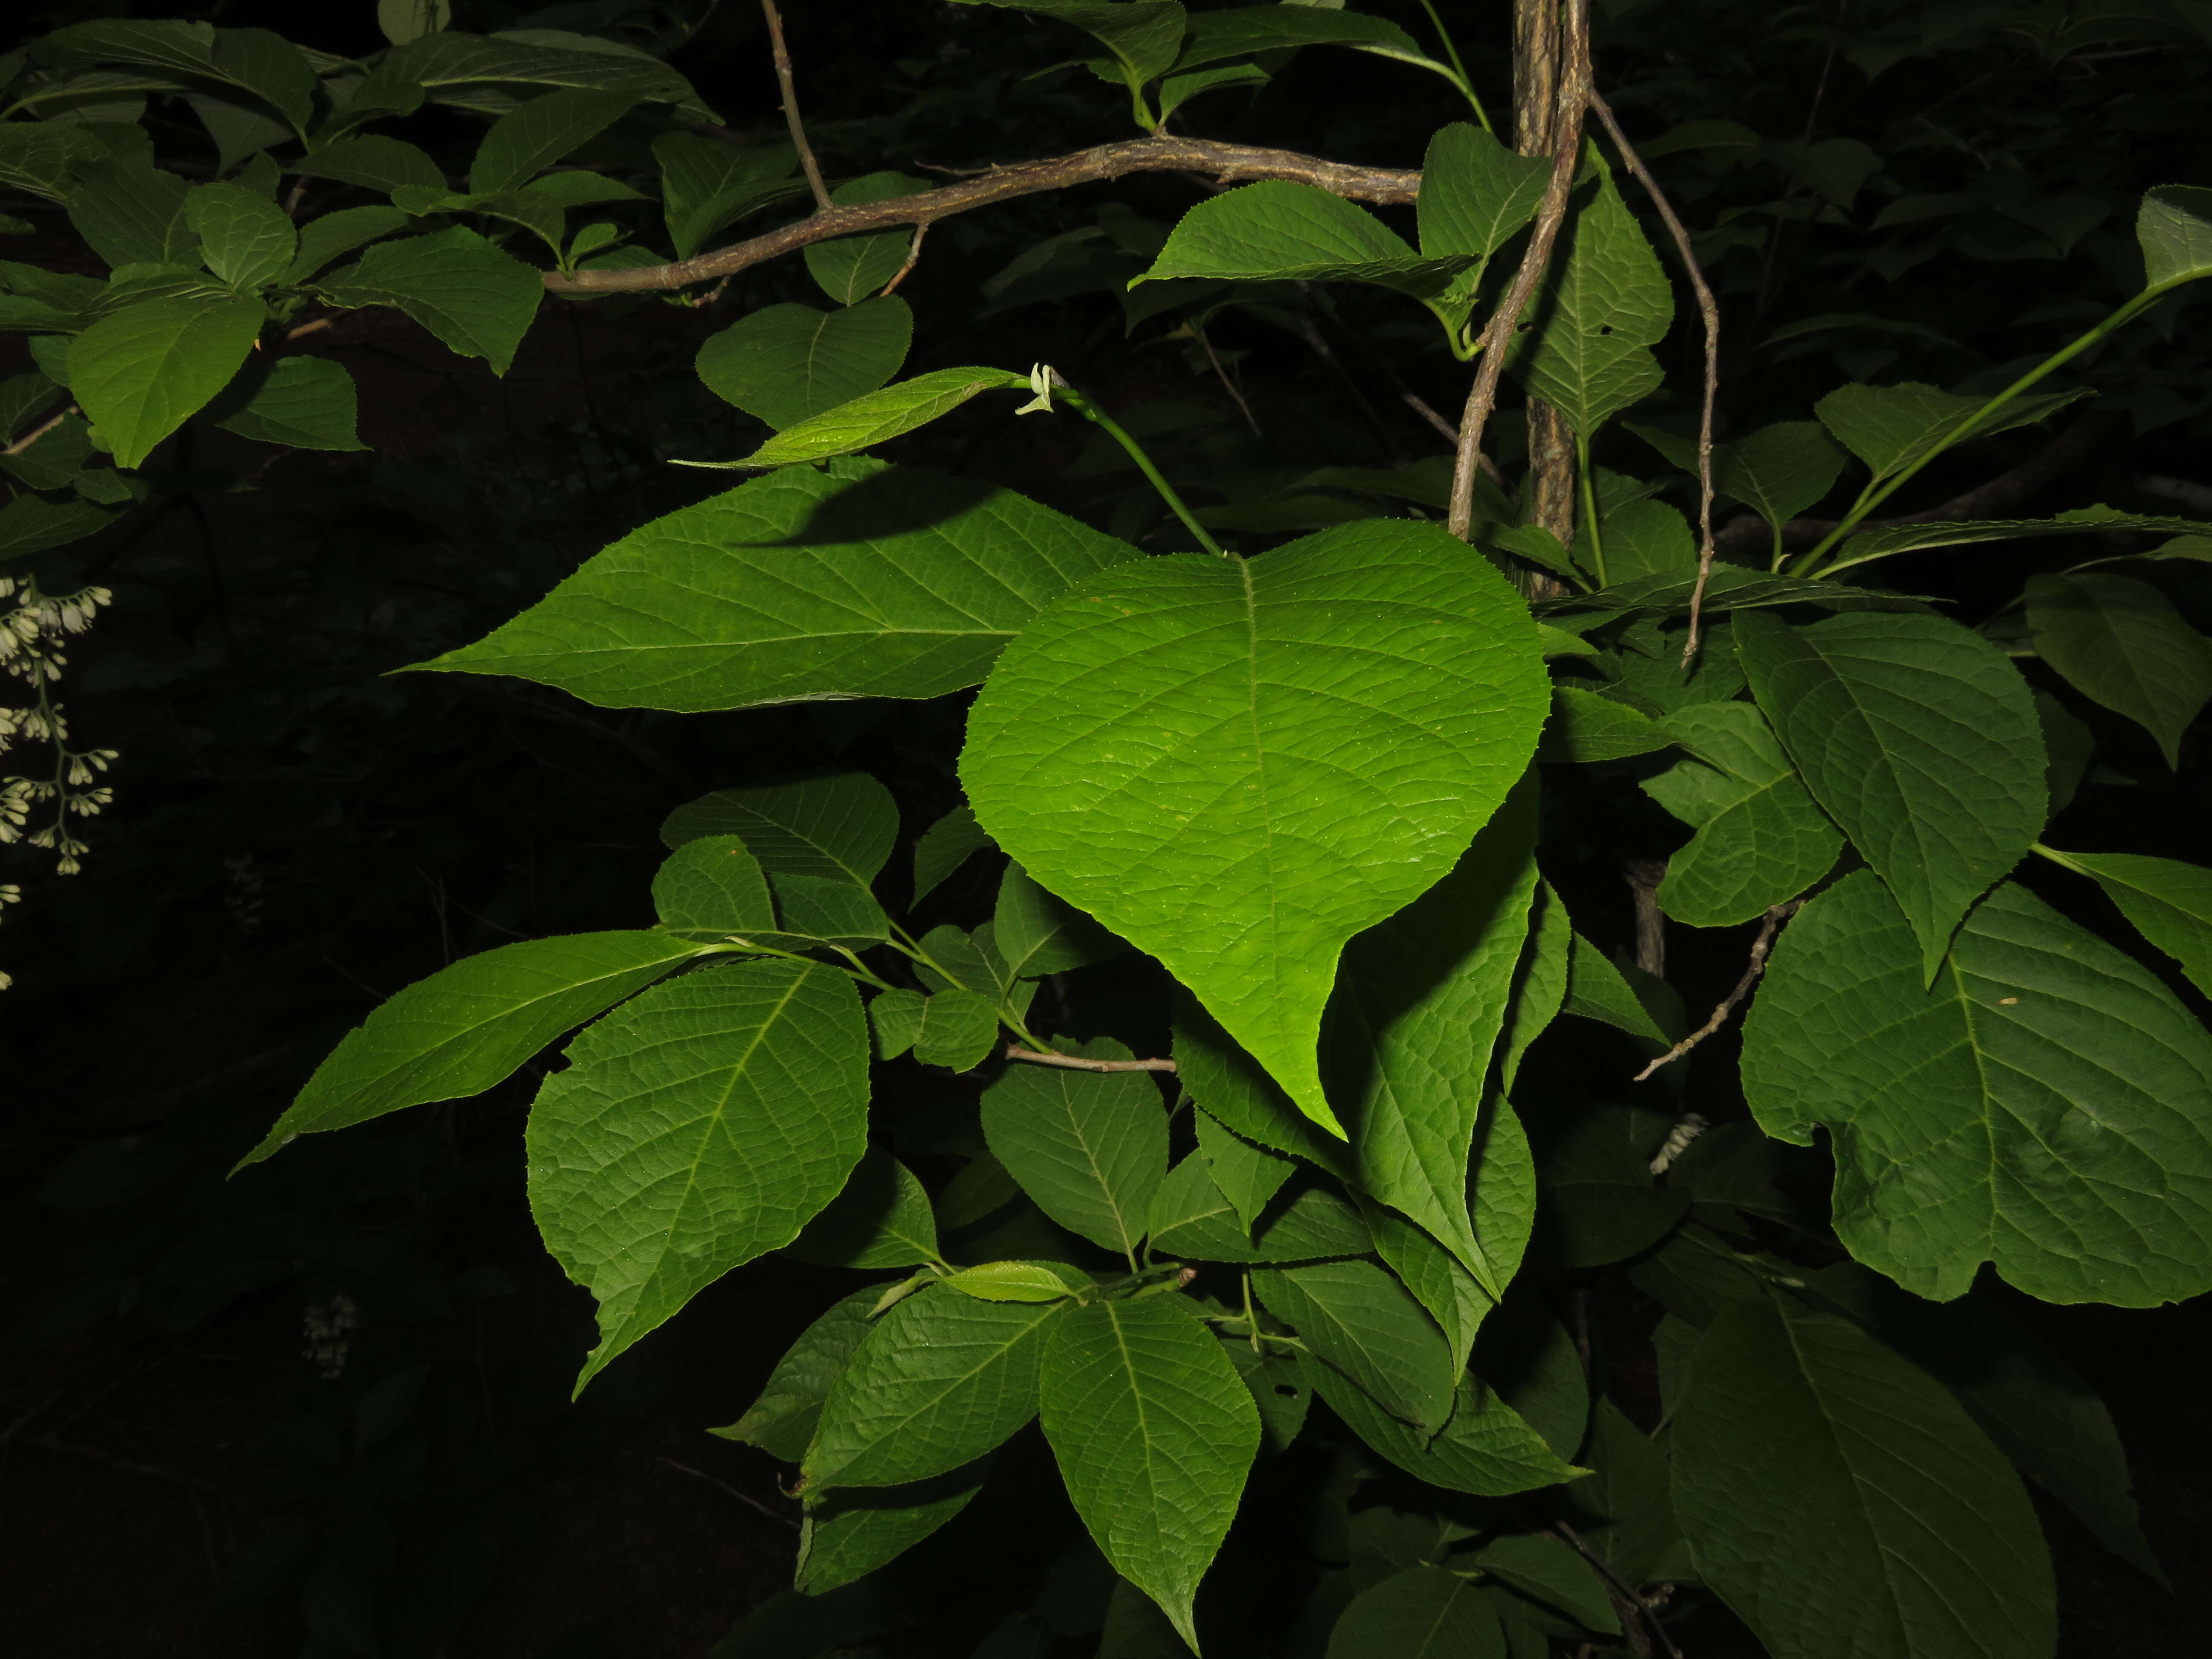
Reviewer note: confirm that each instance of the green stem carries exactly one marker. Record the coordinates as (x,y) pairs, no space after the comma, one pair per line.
(1590,507)
(1879,491)
(1458,68)
(1780,553)
(1097,416)
(906,946)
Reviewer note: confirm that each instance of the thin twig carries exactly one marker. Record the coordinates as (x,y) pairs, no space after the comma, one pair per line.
(1227,385)
(912,258)
(1229,163)
(37,432)
(750,1503)
(1566,151)
(783,83)
(1622,1589)
(305,329)
(1076,1063)
(1710,309)
(1760,947)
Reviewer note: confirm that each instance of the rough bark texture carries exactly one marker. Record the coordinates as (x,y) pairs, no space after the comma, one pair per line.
(1535,91)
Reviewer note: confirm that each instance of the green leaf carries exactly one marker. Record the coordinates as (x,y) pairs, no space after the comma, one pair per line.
(36,157)
(1236,31)
(876,417)
(1090,1147)
(940,1380)
(1548,1569)
(2046,1105)
(1539,982)
(790,588)
(472,1025)
(1308,1222)
(455,66)
(781,1421)
(2174,227)
(131,213)
(835,826)
(476,299)
(1920,739)
(850,1531)
(945,848)
(1526,1355)
(1422,1613)
(1410,1031)
(1039,934)
(1144,36)
(532,136)
(1893,427)
(1487,1448)
(1916,537)
(402,20)
(1643,539)
(1599,1203)
(709,183)
(303,403)
(1760,840)
(1586,727)
(881,1220)
(1452,1295)
(2122,643)
(1777,472)
(373,160)
(1366,1324)
(958,1028)
(1598,990)
(1734,588)
(1015,1281)
(701,1125)
(713,885)
(1584,347)
(788,362)
(325,239)
(31,523)
(2169,901)
(1475,192)
(1154,1433)
(245,237)
(1841,1502)
(1201,708)
(1245,1173)
(851,268)
(142,372)
(1276,230)
(1634,1531)
(2036,1407)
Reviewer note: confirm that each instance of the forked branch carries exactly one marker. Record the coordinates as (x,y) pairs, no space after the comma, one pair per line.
(1761,948)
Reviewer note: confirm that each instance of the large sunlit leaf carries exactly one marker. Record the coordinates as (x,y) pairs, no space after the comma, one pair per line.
(863,580)
(832,826)
(876,417)
(1153,1432)
(2046,1105)
(1919,737)
(2123,643)
(1238,765)
(1844,1504)
(700,1125)
(140,373)
(472,1024)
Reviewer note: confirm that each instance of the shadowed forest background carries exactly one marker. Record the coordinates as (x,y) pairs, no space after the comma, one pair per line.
(207,1383)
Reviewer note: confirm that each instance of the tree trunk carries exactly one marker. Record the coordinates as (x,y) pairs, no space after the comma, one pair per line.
(1536,84)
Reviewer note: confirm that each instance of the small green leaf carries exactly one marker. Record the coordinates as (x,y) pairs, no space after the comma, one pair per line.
(788,362)
(957,1029)
(1040,934)
(1204,709)
(2122,643)
(1920,739)
(1090,1147)
(851,268)
(823,907)
(703,1125)
(402,20)
(2046,1104)
(535,134)
(1601,1205)
(781,1421)
(303,403)
(1548,1569)
(1154,1433)
(1486,1447)
(323,239)
(1366,1324)
(945,848)
(876,417)
(2175,228)
(472,1025)
(1870,545)
(836,826)
(140,373)
(1539,982)
(850,1531)
(1597,990)
(881,1220)
(1588,726)
(245,237)
(1584,347)
(1245,1173)
(468,70)
(1015,1281)
(476,299)
(1893,427)
(709,183)
(1810,1463)
(2169,901)
(939,1380)
(1143,39)
(1422,1613)
(131,213)
(1760,840)
(1777,472)
(1475,192)
(375,162)
(713,885)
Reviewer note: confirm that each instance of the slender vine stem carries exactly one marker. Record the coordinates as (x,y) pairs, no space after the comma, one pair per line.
(1098,417)
(1459,67)
(1590,507)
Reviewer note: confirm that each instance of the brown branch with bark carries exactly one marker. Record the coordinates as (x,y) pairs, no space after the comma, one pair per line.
(1223,162)
(1761,948)
(789,89)
(1573,97)
(1078,1063)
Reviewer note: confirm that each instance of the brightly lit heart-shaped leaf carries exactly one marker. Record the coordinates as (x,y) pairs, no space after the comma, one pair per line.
(1239,765)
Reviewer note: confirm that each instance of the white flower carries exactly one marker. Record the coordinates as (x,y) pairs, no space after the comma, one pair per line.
(1041,380)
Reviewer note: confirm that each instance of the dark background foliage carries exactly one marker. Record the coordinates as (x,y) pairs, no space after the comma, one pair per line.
(1921,192)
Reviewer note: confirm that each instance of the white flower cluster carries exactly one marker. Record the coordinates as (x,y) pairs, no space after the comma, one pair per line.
(32,625)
